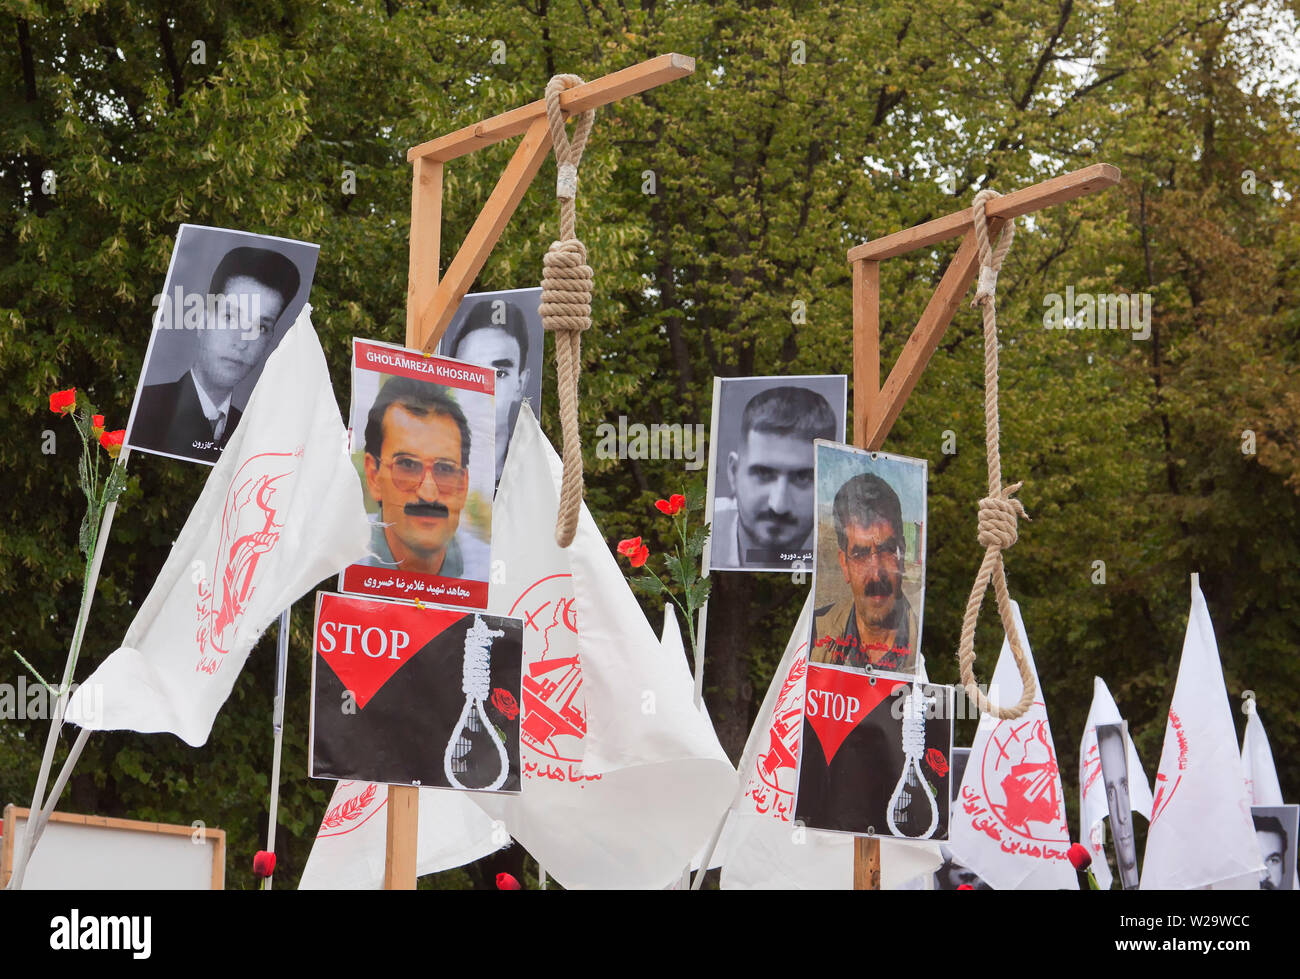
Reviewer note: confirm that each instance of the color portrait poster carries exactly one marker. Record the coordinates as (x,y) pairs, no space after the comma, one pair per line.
(409,694)
(760,499)
(869,569)
(228,300)
(423,442)
(502,330)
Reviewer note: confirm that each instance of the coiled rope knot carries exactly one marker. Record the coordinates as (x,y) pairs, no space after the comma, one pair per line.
(997,519)
(566,287)
(566,298)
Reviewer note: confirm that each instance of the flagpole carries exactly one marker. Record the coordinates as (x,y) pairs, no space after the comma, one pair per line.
(277,727)
(56,723)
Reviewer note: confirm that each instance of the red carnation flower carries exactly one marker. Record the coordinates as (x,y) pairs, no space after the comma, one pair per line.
(62,402)
(112,441)
(1079,856)
(965,887)
(671,505)
(506,882)
(628,547)
(264,863)
(935,759)
(505,702)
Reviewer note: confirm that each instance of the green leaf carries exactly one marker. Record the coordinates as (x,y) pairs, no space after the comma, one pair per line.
(675,570)
(699,592)
(86,537)
(116,483)
(695,542)
(648,583)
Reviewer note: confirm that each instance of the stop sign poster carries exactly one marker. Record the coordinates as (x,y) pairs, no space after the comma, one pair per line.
(875,754)
(412,694)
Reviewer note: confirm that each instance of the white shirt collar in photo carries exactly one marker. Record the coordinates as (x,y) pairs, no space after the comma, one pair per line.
(211,410)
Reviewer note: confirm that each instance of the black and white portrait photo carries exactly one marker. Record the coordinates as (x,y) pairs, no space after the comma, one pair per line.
(1275,830)
(501,330)
(760,489)
(228,299)
(1112,748)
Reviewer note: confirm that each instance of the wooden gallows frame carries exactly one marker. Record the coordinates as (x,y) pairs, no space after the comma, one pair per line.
(431,301)
(876,407)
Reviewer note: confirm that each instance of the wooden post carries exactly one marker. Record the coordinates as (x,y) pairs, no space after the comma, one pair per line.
(876,407)
(431,299)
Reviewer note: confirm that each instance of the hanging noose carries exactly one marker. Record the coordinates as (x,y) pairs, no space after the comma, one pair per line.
(566,298)
(999,510)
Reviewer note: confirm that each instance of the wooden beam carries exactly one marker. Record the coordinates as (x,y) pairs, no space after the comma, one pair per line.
(866,347)
(1033,198)
(426,242)
(602,91)
(866,863)
(925,337)
(483,236)
(403,837)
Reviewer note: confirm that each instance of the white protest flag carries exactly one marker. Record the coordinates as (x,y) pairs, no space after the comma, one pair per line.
(280,511)
(623,778)
(350,846)
(763,846)
(1201,833)
(1093,806)
(1262,786)
(1008,823)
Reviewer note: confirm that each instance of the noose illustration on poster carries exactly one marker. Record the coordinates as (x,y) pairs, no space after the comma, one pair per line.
(464,745)
(912,796)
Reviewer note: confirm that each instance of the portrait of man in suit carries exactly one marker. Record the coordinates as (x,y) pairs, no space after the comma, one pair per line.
(195,415)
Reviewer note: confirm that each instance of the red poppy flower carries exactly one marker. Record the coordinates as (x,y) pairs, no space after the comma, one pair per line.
(97,425)
(1079,856)
(935,759)
(264,863)
(639,558)
(671,505)
(112,441)
(505,702)
(62,402)
(628,547)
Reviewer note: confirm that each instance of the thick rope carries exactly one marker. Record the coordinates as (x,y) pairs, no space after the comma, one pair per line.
(566,298)
(997,511)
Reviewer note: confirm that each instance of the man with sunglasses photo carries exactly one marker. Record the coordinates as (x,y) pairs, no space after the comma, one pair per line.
(417,470)
(877,625)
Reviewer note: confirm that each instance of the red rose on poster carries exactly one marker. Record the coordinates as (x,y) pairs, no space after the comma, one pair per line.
(505,702)
(937,762)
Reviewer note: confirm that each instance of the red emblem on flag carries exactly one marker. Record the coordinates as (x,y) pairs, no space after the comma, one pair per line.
(772,780)
(554,720)
(1021,781)
(249,530)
